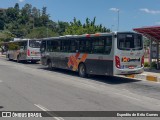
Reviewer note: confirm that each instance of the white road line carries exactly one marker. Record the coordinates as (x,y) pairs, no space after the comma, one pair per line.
(45,109)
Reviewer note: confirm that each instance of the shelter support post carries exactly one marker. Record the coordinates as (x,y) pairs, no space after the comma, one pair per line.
(157,54)
(150,55)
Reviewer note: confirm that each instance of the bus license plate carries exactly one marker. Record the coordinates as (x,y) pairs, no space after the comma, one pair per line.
(130,72)
(131,67)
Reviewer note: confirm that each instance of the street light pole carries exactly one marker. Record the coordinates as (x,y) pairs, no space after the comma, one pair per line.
(112,28)
(118,20)
(116,10)
(47,29)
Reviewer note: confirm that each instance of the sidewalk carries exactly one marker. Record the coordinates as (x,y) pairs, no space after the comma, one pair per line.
(148,74)
(2,55)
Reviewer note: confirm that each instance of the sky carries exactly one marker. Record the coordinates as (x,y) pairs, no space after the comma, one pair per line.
(132,13)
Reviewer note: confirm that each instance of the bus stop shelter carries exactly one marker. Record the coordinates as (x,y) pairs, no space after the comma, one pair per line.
(153,34)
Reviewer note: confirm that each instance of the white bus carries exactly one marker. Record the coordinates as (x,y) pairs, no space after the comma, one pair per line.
(24,50)
(101,54)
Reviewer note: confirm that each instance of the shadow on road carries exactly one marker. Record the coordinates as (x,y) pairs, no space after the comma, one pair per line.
(30,63)
(24,62)
(105,79)
(1,107)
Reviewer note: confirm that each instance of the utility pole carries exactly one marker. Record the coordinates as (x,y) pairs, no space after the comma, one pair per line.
(118,11)
(47,29)
(118,20)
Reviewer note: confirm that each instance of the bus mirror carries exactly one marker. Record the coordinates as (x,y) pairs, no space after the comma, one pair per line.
(77,51)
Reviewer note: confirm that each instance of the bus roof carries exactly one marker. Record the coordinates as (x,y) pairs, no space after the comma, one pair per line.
(85,35)
(20,40)
(77,36)
(73,36)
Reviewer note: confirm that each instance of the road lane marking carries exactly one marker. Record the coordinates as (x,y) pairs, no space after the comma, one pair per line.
(45,109)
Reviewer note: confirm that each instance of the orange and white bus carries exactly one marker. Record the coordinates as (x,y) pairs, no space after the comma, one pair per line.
(101,54)
(24,50)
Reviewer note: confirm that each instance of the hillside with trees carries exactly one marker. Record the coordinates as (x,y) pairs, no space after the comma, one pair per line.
(31,22)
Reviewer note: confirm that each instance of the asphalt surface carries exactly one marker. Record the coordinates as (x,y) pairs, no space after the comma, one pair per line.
(31,87)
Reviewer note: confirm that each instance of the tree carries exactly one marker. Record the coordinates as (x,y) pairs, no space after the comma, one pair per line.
(16,7)
(31,22)
(11,15)
(45,17)
(44,11)
(28,9)
(87,22)
(35,12)
(1,25)
(6,36)
(89,27)
(41,32)
(61,27)
(93,22)
(146,41)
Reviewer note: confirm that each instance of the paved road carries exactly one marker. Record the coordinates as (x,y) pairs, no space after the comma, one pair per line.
(29,87)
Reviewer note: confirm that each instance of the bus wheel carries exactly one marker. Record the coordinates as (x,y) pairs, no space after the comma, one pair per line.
(9,57)
(34,62)
(18,61)
(82,70)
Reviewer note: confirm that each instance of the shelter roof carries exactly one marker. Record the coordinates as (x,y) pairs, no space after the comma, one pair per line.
(152,32)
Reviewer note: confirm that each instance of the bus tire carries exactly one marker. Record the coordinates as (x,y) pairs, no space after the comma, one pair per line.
(18,60)
(9,57)
(82,70)
(34,61)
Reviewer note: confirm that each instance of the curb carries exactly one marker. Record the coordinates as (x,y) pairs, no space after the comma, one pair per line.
(2,55)
(143,76)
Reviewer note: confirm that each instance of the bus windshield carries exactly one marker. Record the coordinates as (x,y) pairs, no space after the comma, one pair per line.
(129,41)
(35,43)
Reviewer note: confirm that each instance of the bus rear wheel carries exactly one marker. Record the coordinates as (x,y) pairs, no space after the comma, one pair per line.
(34,61)
(82,70)
(9,57)
(18,60)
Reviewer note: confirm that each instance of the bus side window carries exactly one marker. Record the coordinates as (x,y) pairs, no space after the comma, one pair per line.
(49,46)
(43,46)
(74,45)
(108,44)
(25,45)
(89,45)
(55,45)
(82,45)
(98,45)
(65,45)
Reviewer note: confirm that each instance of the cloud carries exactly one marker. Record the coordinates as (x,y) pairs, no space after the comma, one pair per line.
(21,0)
(150,11)
(114,9)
